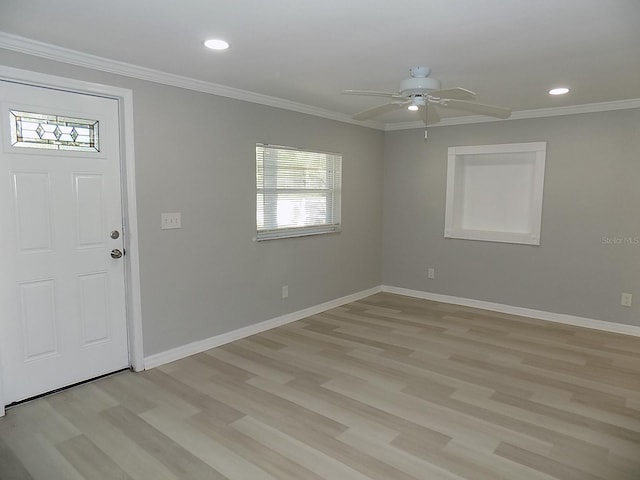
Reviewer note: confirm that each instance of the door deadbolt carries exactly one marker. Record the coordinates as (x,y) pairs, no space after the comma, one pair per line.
(114,234)
(115,253)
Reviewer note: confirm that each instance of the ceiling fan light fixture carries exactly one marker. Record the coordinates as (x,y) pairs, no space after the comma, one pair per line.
(216,44)
(417,102)
(559,91)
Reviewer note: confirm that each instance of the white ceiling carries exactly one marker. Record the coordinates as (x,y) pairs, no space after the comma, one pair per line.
(510,52)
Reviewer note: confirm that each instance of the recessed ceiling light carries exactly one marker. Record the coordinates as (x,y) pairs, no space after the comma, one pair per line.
(413,108)
(216,44)
(558,91)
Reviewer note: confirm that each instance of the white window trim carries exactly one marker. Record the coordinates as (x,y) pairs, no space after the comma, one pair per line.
(292,232)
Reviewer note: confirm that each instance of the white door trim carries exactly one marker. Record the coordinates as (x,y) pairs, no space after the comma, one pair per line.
(132,268)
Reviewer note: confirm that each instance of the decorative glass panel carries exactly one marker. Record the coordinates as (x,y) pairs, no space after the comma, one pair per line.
(55,132)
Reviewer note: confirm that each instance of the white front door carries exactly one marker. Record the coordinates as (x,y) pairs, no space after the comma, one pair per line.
(62,309)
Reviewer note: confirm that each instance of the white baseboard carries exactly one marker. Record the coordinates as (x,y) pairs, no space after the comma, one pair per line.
(523,312)
(212,342)
(201,345)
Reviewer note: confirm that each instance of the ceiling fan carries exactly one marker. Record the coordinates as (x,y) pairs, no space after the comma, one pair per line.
(423,94)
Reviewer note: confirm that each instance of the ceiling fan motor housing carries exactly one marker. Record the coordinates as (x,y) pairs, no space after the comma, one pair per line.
(418,85)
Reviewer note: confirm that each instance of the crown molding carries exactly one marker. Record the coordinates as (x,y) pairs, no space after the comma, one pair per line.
(73,57)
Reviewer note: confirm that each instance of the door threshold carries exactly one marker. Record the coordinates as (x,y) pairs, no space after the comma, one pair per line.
(61,389)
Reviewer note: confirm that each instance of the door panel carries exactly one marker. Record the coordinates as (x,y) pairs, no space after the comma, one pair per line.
(32,200)
(63,315)
(88,199)
(93,291)
(37,315)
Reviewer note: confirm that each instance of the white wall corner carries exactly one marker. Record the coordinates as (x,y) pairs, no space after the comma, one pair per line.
(562,318)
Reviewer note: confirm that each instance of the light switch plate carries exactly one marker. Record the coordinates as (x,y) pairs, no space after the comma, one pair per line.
(170,220)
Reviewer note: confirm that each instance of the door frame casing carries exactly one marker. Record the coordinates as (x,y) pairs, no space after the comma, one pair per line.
(124,97)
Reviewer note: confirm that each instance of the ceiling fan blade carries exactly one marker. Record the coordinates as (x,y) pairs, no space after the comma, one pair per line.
(379,110)
(479,108)
(371,94)
(454,93)
(429,115)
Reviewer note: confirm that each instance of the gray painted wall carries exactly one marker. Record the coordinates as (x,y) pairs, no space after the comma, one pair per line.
(210,278)
(591,195)
(195,154)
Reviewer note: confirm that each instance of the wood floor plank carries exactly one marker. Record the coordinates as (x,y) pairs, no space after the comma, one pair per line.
(204,403)
(40,457)
(263,456)
(213,453)
(89,460)
(387,387)
(300,452)
(545,464)
(400,459)
(11,467)
(461,464)
(116,444)
(181,462)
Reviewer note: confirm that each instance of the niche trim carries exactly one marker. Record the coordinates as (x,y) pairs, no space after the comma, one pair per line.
(494,192)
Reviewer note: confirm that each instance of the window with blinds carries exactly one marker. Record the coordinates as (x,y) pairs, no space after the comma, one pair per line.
(298,192)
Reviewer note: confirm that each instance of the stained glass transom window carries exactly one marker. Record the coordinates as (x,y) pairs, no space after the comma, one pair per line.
(38,130)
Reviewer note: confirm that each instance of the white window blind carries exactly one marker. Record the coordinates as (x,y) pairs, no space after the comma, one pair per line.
(298,192)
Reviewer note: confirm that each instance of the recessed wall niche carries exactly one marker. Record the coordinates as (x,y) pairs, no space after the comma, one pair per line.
(494,192)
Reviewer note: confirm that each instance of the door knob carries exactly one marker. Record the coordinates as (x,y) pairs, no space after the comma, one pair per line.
(115,253)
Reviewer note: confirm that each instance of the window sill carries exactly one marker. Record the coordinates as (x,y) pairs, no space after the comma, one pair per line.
(296,232)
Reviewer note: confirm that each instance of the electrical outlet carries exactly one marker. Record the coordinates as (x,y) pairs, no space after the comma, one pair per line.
(170,220)
(625,300)
(285,291)
(431,273)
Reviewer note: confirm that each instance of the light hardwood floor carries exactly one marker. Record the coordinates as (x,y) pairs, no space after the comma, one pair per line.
(389,387)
